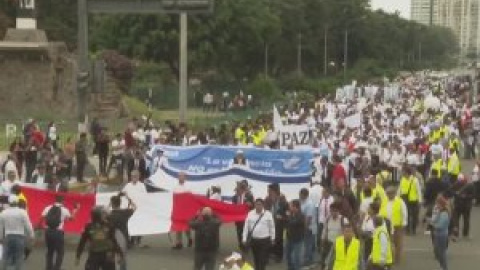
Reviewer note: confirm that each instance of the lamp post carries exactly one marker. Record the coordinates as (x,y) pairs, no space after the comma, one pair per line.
(183,76)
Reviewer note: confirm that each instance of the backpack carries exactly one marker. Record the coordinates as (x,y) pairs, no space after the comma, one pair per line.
(54,217)
(100,240)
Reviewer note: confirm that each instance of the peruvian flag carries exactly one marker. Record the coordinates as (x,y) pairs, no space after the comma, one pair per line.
(159,212)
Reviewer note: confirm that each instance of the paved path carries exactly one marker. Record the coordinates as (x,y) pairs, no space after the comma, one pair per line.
(463,255)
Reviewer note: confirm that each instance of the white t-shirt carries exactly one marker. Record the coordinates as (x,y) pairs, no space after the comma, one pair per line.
(11,166)
(138,188)
(52,133)
(216,196)
(367,224)
(65,213)
(118,147)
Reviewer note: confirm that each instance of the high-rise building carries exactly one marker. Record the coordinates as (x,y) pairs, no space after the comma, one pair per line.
(422,11)
(462,16)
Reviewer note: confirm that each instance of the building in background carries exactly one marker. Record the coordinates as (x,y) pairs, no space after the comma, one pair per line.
(462,16)
(422,11)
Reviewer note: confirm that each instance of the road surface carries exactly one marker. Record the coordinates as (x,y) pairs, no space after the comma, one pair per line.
(462,255)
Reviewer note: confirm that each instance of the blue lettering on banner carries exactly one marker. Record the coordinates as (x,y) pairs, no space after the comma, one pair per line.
(204,161)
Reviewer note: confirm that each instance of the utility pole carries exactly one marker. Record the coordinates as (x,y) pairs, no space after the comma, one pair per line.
(183,84)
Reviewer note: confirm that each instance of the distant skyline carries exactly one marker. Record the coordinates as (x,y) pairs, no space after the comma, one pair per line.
(403,6)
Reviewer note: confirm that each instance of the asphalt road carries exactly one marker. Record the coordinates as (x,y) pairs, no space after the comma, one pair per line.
(462,255)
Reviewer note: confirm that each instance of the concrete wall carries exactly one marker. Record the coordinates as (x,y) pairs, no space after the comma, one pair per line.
(32,85)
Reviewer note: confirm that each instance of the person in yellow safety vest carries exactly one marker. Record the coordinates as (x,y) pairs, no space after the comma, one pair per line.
(454,142)
(453,166)
(262,134)
(437,168)
(394,211)
(256,137)
(381,256)
(377,189)
(240,136)
(384,177)
(411,193)
(346,250)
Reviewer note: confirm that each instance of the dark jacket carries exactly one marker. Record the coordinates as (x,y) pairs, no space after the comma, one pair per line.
(295,226)
(110,245)
(249,200)
(207,233)
(280,208)
(433,187)
(142,167)
(463,195)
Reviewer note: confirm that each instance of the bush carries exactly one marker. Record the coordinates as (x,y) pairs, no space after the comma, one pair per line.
(264,88)
(119,67)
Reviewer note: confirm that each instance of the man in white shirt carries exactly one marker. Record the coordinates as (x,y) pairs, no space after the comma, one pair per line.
(179,189)
(55,216)
(9,182)
(17,229)
(39,177)
(10,165)
(259,234)
(323,213)
(158,161)
(118,152)
(135,187)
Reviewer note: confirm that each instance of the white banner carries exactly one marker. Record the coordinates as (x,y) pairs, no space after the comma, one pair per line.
(153,214)
(296,135)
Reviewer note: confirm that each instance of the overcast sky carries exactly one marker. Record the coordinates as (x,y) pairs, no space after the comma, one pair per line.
(393,5)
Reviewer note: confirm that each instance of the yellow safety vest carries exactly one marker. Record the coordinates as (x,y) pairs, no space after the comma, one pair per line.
(438,166)
(377,248)
(454,144)
(240,136)
(378,191)
(262,134)
(246,266)
(384,177)
(434,136)
(453,164)
(257,140)
(408,187)
(346,260)
(396,219)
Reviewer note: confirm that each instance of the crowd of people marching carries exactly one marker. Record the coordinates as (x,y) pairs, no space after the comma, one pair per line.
(395,171)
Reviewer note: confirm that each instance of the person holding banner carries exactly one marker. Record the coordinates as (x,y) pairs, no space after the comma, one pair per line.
(182,188)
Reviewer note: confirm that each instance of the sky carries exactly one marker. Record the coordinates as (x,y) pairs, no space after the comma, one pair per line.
(393,5)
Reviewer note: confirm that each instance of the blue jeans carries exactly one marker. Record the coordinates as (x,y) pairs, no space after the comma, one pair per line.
(440,243)
(294,252)
(308,248)
(14,251)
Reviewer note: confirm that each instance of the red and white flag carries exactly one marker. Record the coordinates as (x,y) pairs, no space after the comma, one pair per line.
(156,213)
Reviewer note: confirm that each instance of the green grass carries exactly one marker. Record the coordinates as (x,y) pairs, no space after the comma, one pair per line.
(197,119)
